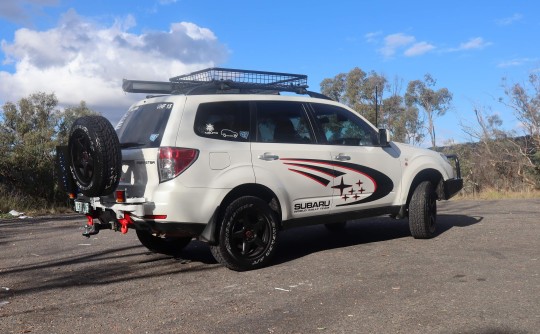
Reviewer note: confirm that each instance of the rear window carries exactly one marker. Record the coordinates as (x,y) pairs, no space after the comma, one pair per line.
(142,126)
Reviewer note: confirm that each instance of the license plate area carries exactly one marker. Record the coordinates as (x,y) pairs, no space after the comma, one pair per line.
(82,207)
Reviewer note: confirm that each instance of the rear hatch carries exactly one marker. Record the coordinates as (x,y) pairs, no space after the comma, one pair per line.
(140,132)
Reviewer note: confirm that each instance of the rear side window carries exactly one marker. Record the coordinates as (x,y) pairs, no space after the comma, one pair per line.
(228,120)
(282,122)
(142,126)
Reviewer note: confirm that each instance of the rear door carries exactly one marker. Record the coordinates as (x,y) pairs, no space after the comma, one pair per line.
(140,132)
(286,156)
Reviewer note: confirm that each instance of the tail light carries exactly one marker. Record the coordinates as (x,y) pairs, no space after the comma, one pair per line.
(120,196)
(174,160)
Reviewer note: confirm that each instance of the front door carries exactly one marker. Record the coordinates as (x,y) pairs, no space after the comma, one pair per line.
(370,175)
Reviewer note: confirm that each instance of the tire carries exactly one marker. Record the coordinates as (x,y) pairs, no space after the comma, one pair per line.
(423,211)
(168,246)
(247,235)
(95,156)
(336,227)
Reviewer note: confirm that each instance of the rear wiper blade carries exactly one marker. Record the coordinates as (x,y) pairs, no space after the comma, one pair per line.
(131,144)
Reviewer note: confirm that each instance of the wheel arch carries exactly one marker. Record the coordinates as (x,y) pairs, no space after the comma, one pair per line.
(210,233)
(429,174)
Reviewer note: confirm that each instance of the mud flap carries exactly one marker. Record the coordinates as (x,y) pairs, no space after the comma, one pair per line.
(210,232)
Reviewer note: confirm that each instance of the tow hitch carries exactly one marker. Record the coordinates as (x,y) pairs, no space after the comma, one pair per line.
(125,222)
(93,226)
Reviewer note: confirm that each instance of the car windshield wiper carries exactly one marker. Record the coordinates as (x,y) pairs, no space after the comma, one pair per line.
(131,144)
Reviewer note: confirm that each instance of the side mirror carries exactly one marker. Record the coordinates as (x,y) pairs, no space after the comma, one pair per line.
(384,137)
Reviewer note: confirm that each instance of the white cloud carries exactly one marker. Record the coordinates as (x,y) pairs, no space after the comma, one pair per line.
(395,41)
(419,49)
(474,43)
(371,37)
(400,41)
(516,62)
(509,20)
(79,60)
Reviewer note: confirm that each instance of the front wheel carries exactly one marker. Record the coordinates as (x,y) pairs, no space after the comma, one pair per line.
(423,211)
(247,236)
(168,245)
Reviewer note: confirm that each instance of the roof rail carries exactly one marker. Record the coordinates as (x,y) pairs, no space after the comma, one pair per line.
(224,80)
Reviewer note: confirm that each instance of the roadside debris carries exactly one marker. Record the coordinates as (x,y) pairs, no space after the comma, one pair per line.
(3,302)
(18,214)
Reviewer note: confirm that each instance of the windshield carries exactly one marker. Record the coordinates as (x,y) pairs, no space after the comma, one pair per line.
(142,126)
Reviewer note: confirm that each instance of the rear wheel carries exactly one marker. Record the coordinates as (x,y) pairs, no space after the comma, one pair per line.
(168,245)
(423,211)
(248,234)
(95,156)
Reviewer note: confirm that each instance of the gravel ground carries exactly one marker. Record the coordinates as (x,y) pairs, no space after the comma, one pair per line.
(481,274)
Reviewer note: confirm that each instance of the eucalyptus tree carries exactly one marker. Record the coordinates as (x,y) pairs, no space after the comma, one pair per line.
(368,92)
(433,102)
(30,129)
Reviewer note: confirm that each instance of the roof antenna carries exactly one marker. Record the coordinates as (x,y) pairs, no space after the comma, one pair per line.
(376,106)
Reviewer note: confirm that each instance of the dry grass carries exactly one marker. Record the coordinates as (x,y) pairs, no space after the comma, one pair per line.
(31,206)
(492,194)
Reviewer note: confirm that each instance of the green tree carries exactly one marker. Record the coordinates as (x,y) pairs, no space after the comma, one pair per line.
(66,118)
(403,120)
(30,131)
(28,127)
(356,89)
(360,91)
(434,103)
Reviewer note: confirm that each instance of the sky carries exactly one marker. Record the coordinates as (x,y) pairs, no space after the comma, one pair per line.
(81,50)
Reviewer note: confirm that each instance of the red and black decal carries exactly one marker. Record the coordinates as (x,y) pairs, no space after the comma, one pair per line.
(352,193)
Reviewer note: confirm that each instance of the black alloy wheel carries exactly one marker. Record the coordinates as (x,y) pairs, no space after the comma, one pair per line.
(247,236)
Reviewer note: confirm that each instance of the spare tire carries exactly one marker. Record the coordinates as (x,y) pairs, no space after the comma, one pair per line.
(95,156)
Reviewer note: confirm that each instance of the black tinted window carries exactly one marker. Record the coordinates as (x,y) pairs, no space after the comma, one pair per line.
(143,126)
(223,120)
(341,127)
(282,122)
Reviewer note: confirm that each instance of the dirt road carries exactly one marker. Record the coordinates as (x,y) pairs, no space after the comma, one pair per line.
(481,274)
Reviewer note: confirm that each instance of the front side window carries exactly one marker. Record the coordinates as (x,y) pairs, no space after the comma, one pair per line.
(282,122)
(341,127)
(228,120)
(143,126)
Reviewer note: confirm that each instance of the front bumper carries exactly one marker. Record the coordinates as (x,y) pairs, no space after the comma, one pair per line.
(453,186)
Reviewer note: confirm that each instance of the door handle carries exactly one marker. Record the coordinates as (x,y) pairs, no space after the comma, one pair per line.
(342,157)
(268,156)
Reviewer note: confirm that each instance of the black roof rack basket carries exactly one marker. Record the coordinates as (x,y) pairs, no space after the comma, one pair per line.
(224,80)
(227,78)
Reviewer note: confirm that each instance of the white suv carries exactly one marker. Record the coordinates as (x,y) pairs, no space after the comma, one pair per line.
(222,157)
